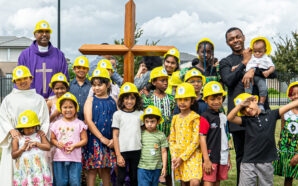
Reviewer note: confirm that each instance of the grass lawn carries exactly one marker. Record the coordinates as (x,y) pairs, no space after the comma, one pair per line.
(282,95)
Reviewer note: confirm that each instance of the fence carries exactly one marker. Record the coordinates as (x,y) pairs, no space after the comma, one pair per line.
(6,86)
(277,90)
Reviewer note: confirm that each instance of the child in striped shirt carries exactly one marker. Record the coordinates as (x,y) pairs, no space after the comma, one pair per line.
(153,161)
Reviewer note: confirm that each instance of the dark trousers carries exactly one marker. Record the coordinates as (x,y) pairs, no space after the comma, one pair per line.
(238,139)
(131,160)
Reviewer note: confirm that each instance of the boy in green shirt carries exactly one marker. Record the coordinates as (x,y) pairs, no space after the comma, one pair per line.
(153,161)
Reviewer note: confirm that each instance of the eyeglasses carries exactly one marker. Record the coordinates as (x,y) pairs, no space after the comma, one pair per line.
(43,32)
(195,81)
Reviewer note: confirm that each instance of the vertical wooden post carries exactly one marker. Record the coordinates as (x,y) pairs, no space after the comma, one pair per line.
(129,40)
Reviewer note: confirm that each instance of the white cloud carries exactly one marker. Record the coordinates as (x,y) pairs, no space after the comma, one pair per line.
(174,22)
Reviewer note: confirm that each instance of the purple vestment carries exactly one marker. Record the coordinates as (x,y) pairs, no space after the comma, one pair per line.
(43,65)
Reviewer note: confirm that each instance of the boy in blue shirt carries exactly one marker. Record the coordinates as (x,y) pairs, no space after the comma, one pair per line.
(80,85)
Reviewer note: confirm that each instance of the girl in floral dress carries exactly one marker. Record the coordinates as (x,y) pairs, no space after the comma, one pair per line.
(166,104)
(288,143)
(98,155)
(184,138)
(31,167)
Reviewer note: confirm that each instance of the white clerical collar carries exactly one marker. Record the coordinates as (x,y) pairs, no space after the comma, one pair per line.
(43,49)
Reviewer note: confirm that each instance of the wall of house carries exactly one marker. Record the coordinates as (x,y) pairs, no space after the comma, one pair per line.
(10,54)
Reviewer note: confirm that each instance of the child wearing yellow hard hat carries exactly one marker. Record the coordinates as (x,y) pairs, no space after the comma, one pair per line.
(59,86)
(171,65)
(20,99)
(261,48)
(80,85)
(68,135)
(98,113)
(127,132)
(153,161)
(286,164)
(184,138)
(259,146)
(213,136)
(104,63)
(207,64)
(28,151)
(165,102)
(198,80)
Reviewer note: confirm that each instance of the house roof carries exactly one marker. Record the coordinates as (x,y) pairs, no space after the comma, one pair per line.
(13,41)
(186,57)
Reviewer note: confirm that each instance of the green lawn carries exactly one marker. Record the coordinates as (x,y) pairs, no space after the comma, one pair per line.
(282,95)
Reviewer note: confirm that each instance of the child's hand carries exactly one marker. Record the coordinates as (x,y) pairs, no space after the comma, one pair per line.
(15,133)
(32,144)
(294,161)
(60,145)
(41,133)
(26,145)
(229,164)
(266,73)
(104,140)
(176,162)
(234,68)
(111,143)
(247,101)
(246,55)
(163,172)
(70,148)
(208,166)
(120,161)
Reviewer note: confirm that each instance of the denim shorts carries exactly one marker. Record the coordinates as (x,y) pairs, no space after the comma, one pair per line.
(148,177)
(67,173)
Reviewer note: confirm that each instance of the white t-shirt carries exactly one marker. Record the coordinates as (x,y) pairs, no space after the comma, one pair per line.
(129,125)
(264,62)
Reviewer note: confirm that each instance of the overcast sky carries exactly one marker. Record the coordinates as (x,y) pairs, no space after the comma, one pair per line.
(181,23)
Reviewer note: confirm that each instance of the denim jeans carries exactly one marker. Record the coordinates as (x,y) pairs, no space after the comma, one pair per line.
(148,177)
(67,173)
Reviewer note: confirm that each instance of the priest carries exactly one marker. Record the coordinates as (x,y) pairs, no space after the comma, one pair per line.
(43,60)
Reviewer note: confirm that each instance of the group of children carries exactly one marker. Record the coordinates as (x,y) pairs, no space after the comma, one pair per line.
(108,128)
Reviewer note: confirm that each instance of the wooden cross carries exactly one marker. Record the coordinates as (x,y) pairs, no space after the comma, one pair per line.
(129,49)
(44,71)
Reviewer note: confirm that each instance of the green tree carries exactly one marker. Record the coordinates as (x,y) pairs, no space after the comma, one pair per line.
(285,57)
(138,33)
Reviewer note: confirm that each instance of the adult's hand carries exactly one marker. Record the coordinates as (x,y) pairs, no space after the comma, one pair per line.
(246,55)
(248,77)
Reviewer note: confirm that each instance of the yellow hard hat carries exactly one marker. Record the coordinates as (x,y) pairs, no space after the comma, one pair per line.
(173,52)
(20,72)
(100,72)
(152,110)
(185,90)
(42,25)
(128,88)
(58,77)
(104,63)
(268,45)
(213,88)
(158,72)
(290,88)
(203,40)
(81,61)
(69,96)
(241,97)
(27,119)
(194,73)
(175,79)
